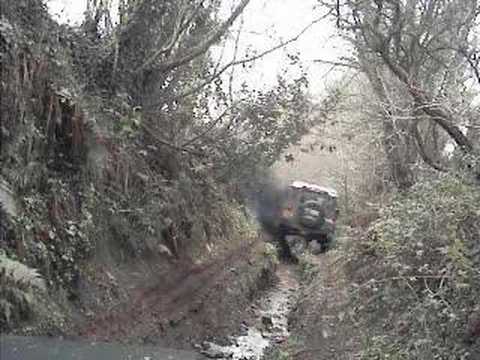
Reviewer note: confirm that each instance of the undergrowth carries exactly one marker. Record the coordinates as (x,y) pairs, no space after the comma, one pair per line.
(109,168)
(21,291)
(415,277)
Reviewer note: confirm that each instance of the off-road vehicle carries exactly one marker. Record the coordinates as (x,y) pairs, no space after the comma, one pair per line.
(307,212)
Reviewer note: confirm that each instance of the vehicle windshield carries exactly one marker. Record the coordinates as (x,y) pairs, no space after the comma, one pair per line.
(328,202)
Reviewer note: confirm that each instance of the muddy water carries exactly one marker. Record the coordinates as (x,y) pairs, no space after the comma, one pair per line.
(271,326)
(43,348)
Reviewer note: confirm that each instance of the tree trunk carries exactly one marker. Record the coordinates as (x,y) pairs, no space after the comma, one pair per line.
(400,171)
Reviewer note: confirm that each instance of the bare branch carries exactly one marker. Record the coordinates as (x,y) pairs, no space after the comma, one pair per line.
(338,63)
(180,27)
(153,134)
(218,73)
(422,151)
(235,52)
(436,113)
(473,62)
(202,47)
(208,129)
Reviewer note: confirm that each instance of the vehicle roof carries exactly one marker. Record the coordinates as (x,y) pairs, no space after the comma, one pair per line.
(314,188)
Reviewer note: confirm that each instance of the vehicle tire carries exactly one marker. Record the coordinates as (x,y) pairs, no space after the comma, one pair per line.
(297,245)
(315,247)
(328,245)
(325,247)
(286,251)
(283,249)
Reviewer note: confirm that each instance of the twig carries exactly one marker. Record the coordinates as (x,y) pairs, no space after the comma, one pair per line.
(179,29)
(202,47)
(248,60)
(235,52)
(404,278)
(209,128)
(151,133)
(337,63)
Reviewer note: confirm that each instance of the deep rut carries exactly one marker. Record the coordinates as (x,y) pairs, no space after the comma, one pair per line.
(270,326)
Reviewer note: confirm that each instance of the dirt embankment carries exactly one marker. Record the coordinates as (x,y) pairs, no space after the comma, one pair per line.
(195,303)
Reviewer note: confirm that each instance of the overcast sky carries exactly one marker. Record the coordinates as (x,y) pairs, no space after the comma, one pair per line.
(266,22)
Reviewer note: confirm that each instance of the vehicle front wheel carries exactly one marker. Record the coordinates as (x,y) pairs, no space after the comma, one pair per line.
(290,248)
(321,244)
(315,247)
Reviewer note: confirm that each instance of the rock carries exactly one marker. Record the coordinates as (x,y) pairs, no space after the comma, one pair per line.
(277,329)
(267,321)
(315,247)
(243,331)
(279,339)
(232,340)
(165,251)
(214,353)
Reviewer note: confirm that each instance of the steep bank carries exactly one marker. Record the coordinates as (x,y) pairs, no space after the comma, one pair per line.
(403,287)
(183,308)
(94,204)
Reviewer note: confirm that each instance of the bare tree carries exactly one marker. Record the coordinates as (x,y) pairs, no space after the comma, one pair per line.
(159,57)
(418,49)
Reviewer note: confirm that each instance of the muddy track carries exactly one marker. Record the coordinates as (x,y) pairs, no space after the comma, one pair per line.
(150,306)
(269,326)
(320,319)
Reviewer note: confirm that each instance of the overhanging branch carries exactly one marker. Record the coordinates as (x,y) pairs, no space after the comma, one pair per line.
(199,50)
(224,68)
(422,151)
(436,113)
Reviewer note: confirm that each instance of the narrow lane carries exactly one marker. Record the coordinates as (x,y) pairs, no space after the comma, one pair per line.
(271,326)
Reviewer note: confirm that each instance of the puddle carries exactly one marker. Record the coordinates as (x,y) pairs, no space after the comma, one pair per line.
(44,348)
(271,326)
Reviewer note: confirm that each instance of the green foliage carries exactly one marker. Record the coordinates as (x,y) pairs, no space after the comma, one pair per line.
(116,149)
(418,294)
(20,273)
(289,350)
(53,234)
(17,285)
(279,354)
(273,120)
(308,269)
(380,348)
(271,253)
